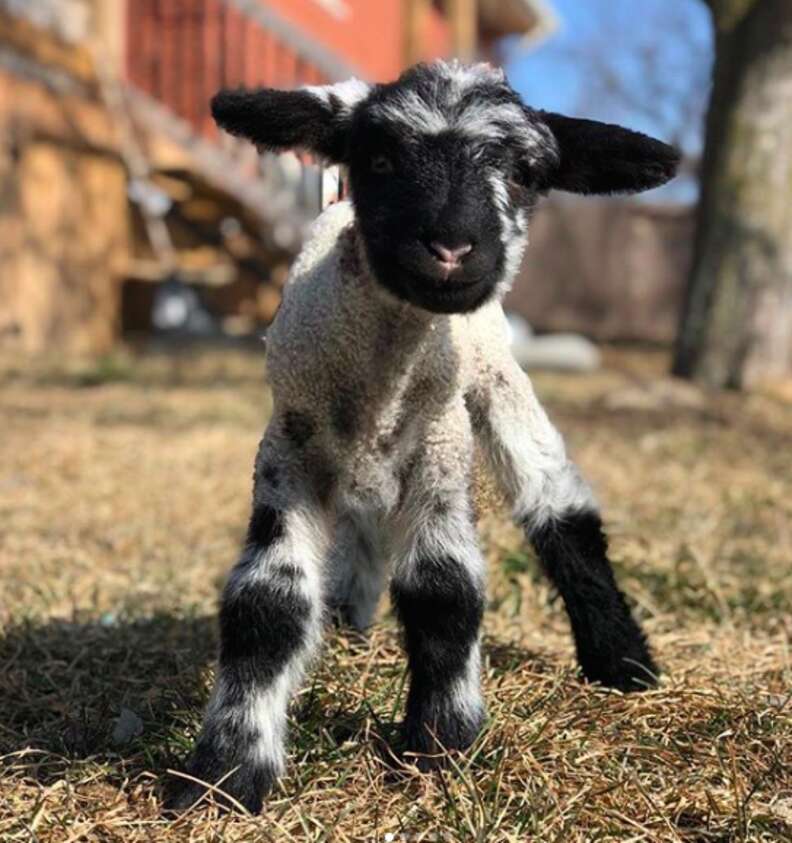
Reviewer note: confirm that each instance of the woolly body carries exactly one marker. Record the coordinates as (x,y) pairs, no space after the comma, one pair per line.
(389,361)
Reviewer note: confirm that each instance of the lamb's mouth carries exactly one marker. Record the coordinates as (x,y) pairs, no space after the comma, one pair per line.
(447,296)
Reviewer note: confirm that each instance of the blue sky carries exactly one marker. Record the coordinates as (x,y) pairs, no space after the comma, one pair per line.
(659,50)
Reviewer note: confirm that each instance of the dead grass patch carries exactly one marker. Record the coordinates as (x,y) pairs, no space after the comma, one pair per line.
(123,495)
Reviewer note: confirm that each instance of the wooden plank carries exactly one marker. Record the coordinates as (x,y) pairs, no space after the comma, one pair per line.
(43,47)
(78,120)
(463,19)
(416,13)
(212,76)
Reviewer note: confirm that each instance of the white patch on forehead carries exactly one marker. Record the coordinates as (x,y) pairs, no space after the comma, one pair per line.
(349,92)
(466,76)
(481,118)
(494,121)
(407,107)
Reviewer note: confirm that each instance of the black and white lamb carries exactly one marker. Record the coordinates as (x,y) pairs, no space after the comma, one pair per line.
(388,361)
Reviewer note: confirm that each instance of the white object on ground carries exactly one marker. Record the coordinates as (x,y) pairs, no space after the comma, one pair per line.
(570,352)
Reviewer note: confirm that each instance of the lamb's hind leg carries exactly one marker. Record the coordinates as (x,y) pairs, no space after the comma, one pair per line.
(270,621)
(560,517)
(357,570)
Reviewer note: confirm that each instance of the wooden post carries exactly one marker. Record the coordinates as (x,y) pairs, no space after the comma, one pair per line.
(109,27)
(415,15)
(463,17)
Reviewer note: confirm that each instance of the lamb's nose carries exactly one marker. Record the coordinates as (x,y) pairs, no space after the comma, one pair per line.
(450,256)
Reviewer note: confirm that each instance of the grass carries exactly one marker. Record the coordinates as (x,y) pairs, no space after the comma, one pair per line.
(124,490)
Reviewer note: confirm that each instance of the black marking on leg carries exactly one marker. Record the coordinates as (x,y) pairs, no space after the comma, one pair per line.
(298,427)
(265,527)
(406,474)
(477,405)
(286,572)
(269,474)
(345,413)
(262,625)
(323,476)
(611,647)
(440,608)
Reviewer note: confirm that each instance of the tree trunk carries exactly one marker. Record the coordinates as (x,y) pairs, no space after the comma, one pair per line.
(736,328)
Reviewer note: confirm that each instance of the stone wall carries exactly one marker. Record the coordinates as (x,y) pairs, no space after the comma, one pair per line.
(64,221)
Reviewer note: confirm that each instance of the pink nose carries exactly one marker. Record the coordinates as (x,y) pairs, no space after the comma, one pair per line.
(452,257)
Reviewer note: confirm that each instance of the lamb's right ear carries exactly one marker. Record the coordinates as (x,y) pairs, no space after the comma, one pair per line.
(313,119)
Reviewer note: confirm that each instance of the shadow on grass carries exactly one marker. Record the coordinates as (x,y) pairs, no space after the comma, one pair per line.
(63,686)
(66,685)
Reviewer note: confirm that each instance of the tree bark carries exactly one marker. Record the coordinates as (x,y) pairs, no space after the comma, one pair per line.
(736,326)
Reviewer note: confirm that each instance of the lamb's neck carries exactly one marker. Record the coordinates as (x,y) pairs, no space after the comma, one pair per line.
(401,329)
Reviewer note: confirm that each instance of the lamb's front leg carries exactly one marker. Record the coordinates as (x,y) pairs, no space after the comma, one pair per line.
(270,619)
(438,594)
(560,517)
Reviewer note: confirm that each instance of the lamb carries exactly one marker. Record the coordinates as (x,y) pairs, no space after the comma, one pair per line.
(389,362)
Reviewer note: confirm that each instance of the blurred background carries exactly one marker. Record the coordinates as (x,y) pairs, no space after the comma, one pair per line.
(124,213)
(142,257)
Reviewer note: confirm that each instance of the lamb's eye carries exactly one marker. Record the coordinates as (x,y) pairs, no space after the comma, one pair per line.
(381,165)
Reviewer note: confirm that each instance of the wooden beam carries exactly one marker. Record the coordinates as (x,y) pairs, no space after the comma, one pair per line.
(41,46)
(109,27)
(463,18)
(415,18)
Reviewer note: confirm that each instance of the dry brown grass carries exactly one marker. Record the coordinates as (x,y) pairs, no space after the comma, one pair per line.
(123,493)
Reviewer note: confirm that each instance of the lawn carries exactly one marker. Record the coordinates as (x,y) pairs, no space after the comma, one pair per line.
(124,490)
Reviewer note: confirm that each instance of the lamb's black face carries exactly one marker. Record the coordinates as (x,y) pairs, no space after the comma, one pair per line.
(428,219)
(427,213)
(445,164)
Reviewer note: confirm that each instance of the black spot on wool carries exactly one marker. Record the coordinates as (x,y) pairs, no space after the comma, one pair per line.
(477,405)
(269,474)
(611,647)
(298,427)
(323,475)
(345,413)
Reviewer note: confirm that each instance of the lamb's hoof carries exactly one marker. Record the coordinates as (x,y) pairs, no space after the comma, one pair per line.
(635,671)
(349,618)
(242,792)
(430,747)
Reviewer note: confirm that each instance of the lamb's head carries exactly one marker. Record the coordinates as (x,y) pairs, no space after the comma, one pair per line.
(445,165)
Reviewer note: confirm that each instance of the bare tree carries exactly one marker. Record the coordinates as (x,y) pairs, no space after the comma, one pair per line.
(645,65)
(736,327)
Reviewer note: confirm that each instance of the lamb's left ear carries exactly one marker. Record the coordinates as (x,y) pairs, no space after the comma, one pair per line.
(313,119)
(602,158)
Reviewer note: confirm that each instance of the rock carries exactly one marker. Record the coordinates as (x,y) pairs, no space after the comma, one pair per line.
(571,352)
(518,328)
(128,726)
(568,352)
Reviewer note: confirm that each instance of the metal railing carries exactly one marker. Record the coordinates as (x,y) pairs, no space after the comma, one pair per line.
(179,53)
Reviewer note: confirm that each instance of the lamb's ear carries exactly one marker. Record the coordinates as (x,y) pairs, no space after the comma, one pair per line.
(599,157)
(314,119)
